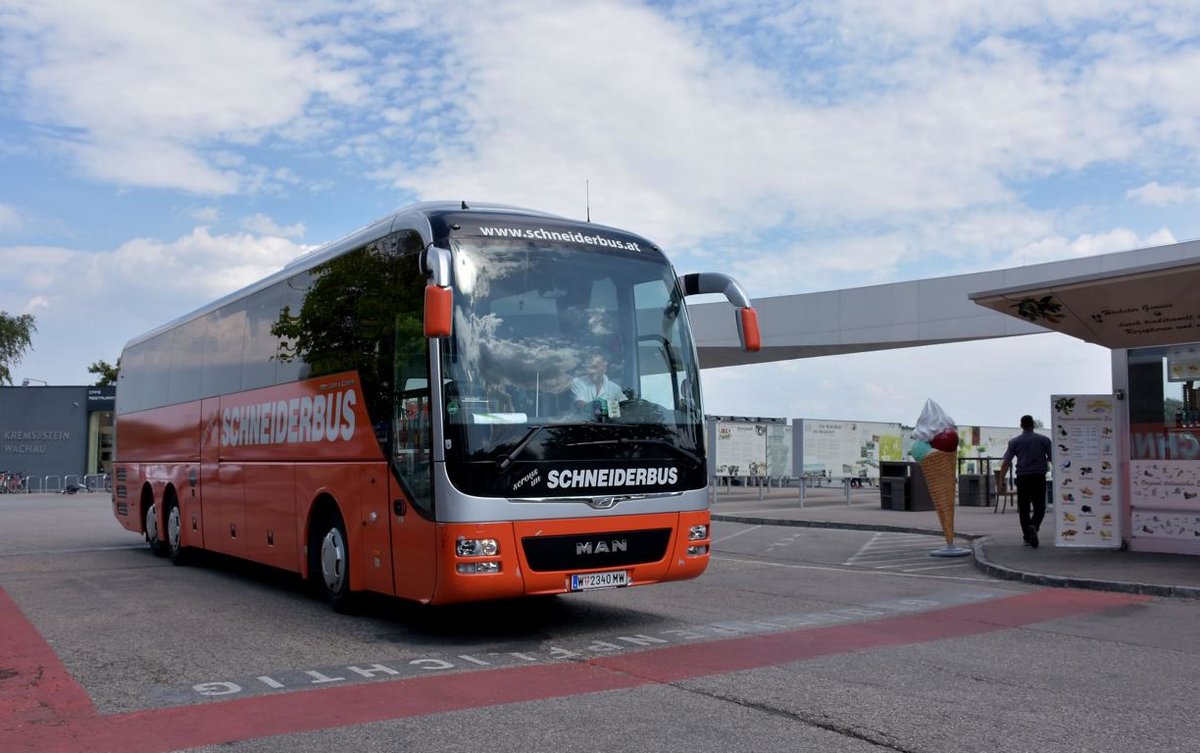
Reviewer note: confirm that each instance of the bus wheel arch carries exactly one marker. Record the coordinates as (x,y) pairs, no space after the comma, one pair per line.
(329,554)
(150,522)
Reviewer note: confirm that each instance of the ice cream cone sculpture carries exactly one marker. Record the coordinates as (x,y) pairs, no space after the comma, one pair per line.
(935,447)
(939,469)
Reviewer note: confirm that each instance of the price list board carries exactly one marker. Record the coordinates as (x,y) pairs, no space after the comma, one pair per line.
(1086,485)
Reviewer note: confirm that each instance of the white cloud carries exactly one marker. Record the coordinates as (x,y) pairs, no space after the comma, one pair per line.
(261,224)
(206,215)
(1056,247)
(87,305)
(1155,194)
(146,88)
(690,145)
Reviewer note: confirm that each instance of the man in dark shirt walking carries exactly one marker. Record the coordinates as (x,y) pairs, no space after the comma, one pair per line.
(1032,451)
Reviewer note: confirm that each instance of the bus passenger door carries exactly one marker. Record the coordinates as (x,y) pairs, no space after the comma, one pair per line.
(410,492)
(374,555)
(414,540)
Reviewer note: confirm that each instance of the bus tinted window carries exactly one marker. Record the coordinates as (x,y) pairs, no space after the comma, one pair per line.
(261,350)
(221,372)
(156,370)
(187,354)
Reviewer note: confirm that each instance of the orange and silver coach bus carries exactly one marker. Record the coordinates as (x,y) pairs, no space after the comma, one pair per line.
(454,403)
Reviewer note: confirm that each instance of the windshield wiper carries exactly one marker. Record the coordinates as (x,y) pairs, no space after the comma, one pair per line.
(682,451)
(521,444)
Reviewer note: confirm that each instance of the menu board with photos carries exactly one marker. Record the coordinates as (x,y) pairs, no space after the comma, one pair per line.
(1086,511)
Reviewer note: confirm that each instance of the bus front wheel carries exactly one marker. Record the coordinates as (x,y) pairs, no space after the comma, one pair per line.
(330,565)
(177,553)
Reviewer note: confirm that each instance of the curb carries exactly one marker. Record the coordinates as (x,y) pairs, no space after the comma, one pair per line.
(982,563)
(1068,581)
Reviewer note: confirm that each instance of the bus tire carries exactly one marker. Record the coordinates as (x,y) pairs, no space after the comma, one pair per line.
(330,565)
(157,547)
(176,552)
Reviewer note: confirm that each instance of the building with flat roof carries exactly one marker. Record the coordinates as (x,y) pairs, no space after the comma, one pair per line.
(55,436)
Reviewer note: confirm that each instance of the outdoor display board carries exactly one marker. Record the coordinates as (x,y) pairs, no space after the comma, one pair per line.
(1163,500)
(1086,484)
(839,449)
(833,449)
(779,450)
(741,448)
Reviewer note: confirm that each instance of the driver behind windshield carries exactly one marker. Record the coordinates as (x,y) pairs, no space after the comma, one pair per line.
(595,385)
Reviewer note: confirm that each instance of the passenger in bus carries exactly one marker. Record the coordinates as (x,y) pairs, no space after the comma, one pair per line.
(595,385)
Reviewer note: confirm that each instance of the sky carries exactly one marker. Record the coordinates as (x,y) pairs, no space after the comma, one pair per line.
(155,156)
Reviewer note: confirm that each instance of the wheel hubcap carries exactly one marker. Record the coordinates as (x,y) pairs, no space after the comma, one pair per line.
(174,526)
(151,524)
(333,560)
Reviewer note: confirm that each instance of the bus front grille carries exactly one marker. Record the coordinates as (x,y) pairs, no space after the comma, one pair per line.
(595,550)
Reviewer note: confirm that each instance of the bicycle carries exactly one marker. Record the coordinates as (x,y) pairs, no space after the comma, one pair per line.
(12,482)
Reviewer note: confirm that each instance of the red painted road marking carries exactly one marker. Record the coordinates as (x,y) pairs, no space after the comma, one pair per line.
(43,709)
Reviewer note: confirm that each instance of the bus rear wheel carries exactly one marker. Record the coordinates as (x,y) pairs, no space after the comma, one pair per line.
(329,566)
(151,525)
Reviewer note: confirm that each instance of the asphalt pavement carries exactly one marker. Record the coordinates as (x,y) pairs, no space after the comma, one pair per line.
(994,538)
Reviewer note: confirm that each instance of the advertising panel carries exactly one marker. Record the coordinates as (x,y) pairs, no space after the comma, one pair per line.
(1086,482)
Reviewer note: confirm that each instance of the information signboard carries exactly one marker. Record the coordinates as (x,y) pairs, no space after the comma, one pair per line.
(741,448)
(1086,483)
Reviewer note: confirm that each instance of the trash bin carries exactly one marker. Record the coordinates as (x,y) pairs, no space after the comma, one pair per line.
(972,492)
(919,497)
(892,493)
(895,490)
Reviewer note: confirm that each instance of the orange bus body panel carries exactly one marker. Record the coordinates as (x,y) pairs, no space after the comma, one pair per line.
(161,435)
(269,499)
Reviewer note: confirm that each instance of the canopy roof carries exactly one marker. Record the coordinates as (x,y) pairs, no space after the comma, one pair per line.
(1149,305)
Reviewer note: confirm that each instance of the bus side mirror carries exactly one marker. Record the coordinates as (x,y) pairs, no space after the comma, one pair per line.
(698,283)
(748,330)
(439,311)
(439,296)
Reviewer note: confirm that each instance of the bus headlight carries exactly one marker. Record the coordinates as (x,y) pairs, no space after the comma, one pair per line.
(697,551)
(476,547)
(697,533)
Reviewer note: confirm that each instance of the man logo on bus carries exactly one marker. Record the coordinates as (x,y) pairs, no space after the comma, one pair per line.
(601,547)
(328,417)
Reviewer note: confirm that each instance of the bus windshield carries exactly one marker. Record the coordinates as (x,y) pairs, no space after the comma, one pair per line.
(562,353)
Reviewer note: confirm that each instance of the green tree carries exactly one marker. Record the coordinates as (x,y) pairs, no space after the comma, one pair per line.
(15,338)
(106,373)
